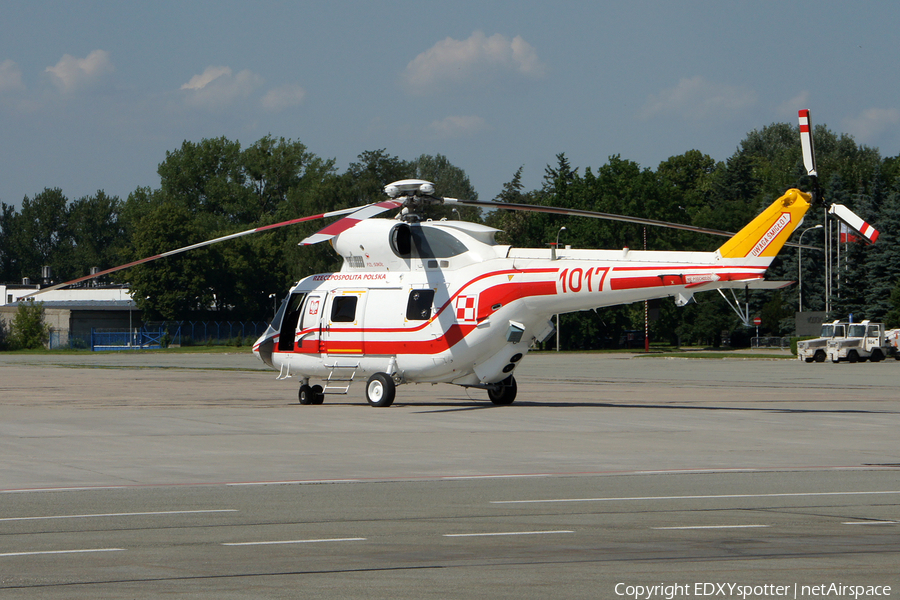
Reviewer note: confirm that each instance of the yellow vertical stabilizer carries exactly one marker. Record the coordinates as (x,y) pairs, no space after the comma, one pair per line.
(765,235)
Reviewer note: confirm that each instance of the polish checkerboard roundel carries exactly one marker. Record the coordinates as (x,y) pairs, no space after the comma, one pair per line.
(465,308)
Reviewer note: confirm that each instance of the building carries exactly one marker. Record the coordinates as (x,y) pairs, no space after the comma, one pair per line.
(72,313)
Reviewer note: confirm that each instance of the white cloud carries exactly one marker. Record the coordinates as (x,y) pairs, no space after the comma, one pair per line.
(10,77)
(457,126)
(789,109)
(477,59)
(217,87)
(198,82)
(284,97)
(71,73)
(872,123)
(697,99)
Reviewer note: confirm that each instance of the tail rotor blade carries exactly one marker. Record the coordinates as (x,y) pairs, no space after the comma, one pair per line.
(806,143)
(854,221)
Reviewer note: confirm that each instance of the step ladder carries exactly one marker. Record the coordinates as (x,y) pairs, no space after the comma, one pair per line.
(340,374)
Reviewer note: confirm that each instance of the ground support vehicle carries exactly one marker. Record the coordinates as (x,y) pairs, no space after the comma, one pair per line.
(864,341)
(816,349)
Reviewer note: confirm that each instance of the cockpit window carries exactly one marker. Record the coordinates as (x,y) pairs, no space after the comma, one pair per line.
(415,241)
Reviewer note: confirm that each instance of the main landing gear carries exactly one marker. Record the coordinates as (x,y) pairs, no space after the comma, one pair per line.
(380,390)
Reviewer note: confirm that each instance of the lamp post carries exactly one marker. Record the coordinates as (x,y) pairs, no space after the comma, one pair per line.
(800,267)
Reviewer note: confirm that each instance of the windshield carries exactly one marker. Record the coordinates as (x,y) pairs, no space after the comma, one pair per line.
(857,331)
(827,331)
(424,242)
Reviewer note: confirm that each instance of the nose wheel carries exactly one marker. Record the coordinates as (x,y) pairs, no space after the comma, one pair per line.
(504,393)
(311,394)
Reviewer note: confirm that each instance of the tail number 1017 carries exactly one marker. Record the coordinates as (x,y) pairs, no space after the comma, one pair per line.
(578,279)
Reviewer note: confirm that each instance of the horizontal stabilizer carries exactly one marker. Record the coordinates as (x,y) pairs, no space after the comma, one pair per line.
(852,220)
(766,284)
(740,284)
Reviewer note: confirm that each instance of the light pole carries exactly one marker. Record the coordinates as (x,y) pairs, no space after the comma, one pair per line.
(800,267)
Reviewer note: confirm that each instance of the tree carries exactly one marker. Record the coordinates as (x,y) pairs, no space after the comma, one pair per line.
(28,330)
(38,233)
(8,252)
(449,181)
(892,318)
(93,235)
(515,226)
(880,271)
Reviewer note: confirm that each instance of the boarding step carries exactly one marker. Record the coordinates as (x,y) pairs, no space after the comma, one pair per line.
(285,372)
(340,374)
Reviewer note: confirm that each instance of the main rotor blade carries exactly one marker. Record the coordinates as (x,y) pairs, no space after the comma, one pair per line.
(342,225)
(576,212)
(224,238)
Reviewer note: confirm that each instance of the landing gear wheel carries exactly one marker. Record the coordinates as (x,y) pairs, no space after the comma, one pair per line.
(318,394)
(306,395)
(505,393)
(380,390)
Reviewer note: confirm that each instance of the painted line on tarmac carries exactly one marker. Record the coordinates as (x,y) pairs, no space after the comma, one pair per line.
(274,543)
(522,476)
(128,514)
(295,482)
(414,478)
(507,533)
(65,489)
(705,497)
(713,527)
(870,523)
(85,551)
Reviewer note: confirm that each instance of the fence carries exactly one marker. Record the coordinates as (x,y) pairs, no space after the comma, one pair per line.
(162,334)
(770,342)
(138,339)
(201,333)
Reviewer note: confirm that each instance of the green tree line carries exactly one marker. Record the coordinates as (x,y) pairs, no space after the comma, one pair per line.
(215,187)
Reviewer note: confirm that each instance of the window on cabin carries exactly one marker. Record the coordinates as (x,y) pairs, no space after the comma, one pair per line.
(419,306)
(343,309)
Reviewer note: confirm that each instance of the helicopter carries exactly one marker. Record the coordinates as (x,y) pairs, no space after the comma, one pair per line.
(425,301)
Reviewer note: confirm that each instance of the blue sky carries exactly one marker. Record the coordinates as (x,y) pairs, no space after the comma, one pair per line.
(93,94)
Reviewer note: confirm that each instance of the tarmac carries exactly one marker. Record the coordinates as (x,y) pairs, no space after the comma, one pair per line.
(200,476)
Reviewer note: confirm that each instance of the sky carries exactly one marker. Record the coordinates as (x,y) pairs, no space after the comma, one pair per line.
(94,93)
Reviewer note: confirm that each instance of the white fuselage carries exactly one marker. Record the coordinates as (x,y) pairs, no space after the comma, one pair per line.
(441,302)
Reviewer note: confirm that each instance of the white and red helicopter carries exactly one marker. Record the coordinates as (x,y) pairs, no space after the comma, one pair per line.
(422,301)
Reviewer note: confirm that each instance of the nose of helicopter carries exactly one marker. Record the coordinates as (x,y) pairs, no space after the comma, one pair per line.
(264,346)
